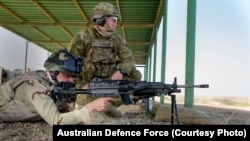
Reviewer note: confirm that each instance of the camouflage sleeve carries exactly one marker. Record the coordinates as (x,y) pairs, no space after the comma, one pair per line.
(79,47)
(126,56)
(47,109)
(78,44)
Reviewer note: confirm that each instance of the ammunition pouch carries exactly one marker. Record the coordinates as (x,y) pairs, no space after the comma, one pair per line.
(104,70)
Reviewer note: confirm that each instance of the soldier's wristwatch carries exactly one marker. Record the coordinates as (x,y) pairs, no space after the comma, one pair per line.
(122,71)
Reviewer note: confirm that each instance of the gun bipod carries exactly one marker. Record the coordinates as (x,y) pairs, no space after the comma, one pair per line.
(174,111)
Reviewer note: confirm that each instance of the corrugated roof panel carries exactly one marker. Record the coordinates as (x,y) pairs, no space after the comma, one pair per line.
(55,32)
(139,11)
(138,34)
(26,9)
(65,11)
(51,24)
(27,31)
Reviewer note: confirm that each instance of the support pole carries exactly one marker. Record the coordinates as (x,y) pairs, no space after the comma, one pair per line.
(26,54)
(190,53)
(164,47)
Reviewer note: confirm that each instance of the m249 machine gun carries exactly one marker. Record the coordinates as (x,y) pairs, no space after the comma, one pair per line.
(114,88)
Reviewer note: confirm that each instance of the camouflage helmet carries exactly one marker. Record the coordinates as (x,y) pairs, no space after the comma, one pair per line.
(104,9)
(63,61)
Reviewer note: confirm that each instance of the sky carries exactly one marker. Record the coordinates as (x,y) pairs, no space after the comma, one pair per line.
(13,50)
(222,47)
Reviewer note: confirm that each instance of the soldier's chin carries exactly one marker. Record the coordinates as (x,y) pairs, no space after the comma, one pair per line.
(111,30)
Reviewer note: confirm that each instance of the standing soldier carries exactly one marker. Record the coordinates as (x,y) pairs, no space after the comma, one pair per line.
(106,53)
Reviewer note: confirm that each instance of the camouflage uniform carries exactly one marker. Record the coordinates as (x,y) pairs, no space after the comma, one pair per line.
(102,63)
(28,97)
(103,56)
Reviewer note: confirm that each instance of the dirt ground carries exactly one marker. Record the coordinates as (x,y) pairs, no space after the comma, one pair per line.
(232,110)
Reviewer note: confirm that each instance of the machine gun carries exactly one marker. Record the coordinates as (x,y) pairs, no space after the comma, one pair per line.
(126,89)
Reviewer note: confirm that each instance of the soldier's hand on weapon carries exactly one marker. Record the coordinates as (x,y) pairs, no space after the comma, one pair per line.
(136,99)
(100,104)
(86,86)
(117,76)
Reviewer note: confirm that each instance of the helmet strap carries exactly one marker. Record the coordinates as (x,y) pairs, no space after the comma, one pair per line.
(54,75)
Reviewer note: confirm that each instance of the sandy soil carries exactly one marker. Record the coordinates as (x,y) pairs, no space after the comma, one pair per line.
(234,110)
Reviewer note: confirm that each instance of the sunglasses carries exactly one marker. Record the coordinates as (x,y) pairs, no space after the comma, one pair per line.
(114,18)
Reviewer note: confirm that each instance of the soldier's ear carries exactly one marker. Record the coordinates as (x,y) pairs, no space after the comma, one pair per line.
(51,73)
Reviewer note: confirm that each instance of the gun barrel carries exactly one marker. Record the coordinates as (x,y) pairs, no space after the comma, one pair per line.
(74,91)
(82,91)
(204,86)
(194,86)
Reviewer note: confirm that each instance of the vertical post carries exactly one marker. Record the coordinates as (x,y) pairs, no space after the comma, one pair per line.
(190,52)
(146,71)
(149,67)
(155,57)
(164,47)
(26,54)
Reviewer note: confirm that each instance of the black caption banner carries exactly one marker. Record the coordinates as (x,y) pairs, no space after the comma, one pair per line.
(170,131)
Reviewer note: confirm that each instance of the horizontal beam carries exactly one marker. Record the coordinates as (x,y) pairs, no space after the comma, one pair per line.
(64,41)
(80,24)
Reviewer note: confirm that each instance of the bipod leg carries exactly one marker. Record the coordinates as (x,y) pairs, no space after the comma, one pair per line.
(148,104)
(146,100)
(174,110)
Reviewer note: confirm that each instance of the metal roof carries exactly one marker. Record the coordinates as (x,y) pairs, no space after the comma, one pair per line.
(51,24)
